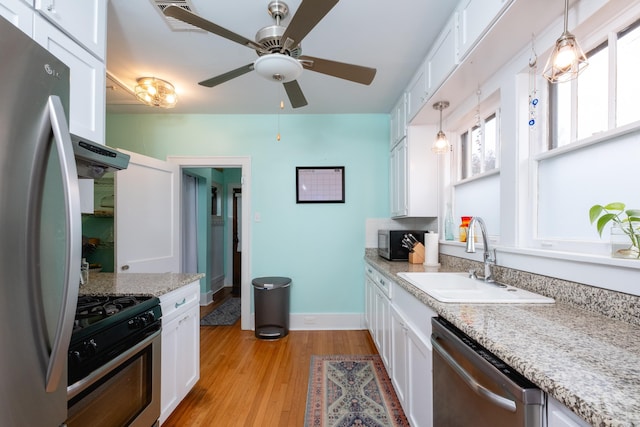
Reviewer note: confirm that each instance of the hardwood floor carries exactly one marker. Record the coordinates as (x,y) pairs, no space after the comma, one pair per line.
(245,381)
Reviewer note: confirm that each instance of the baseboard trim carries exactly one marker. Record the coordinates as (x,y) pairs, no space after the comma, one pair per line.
(206,298)
(323,321)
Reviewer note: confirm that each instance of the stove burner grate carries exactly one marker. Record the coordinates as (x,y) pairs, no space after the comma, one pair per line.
(92,309)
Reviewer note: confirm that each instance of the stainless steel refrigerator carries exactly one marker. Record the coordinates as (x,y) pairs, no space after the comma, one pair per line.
(40,232)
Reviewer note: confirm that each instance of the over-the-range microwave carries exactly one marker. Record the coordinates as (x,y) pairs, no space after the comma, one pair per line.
(390,243)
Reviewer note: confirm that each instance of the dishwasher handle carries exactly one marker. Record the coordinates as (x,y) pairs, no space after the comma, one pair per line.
(479,389)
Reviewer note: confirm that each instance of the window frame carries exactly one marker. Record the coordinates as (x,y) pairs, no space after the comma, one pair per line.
(608,42)
(463,160)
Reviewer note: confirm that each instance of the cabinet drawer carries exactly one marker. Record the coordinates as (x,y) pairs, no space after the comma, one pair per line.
(178,301)
(414,311)
(370,272)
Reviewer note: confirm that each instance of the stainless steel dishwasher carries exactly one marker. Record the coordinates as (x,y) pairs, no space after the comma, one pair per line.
(472,387)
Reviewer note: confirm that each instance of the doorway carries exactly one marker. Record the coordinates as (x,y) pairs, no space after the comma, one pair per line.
(244,215)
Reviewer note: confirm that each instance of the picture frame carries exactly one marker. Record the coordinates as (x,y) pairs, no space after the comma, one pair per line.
(320,184)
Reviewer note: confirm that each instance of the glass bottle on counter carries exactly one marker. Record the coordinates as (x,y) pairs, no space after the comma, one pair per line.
(464,228)
(448,223)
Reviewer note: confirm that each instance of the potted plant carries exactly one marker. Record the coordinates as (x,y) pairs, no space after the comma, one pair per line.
(625,228)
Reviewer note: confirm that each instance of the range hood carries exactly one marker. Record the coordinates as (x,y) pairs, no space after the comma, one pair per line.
(94,160)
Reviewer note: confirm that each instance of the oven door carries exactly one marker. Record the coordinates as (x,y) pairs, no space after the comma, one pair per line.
(124,392)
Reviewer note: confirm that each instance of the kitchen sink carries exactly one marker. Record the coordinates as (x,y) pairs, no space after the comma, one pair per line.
(460,288)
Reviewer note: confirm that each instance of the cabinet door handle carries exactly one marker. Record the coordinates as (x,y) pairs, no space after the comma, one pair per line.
(178,304)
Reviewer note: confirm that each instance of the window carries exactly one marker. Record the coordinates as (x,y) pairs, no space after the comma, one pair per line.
(479,147)
(628,69)
(595,121)
(603,97)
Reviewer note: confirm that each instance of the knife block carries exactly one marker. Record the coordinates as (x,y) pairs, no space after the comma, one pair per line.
(417,256)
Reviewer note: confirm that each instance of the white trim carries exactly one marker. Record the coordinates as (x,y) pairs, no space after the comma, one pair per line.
(605,136)
(616,274)
(477,177)
(323,321)
(206,298)
(245,164)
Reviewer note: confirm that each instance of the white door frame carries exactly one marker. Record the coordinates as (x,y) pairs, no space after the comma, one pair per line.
(244,163)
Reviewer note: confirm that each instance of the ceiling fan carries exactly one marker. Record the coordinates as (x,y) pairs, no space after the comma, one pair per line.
(280,56)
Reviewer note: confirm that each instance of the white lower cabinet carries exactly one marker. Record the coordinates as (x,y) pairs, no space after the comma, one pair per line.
(400,326)
(411,363)
(180,346)
(419,371)
(378,313)
(559,415)
(399,356)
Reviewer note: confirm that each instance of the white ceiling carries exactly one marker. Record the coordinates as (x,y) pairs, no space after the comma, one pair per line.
(392,37)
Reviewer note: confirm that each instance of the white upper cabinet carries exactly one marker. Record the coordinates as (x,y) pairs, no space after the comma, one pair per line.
(418,91)
(398,121)
(442,58)
(474,19)
(84,21)
(413,176)
(19,14)
(87,98)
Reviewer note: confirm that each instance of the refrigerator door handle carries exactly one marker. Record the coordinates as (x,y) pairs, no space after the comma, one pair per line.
(58,357)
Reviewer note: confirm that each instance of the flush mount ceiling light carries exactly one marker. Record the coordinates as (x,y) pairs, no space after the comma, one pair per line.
(156,92)
(441,144)
(567,59)
(278,67)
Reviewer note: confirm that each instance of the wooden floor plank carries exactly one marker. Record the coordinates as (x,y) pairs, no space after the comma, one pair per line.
(245,381)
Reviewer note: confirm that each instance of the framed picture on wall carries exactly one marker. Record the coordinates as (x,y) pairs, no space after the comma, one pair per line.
(320,184)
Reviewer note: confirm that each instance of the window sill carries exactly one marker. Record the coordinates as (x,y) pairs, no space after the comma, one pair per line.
(605,272)
(592,140)
(478,177)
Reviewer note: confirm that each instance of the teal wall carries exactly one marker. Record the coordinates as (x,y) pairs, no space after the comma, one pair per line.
(320,246)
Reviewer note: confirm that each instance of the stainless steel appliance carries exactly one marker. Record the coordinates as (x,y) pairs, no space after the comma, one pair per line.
(472,387)
(390,243)
(41,238)
(40,232)
(114,362)
(94,160)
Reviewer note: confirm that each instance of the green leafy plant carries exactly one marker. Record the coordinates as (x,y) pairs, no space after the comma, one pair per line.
(627,220)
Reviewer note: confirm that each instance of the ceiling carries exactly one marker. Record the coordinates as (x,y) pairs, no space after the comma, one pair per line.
(394,40)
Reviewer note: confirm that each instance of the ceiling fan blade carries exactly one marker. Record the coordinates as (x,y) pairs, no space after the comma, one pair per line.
(214,81)
(296,97)
(191,18)
(309,13)
(354,73)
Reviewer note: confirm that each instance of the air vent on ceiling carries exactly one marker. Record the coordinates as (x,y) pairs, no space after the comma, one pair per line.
(176,24)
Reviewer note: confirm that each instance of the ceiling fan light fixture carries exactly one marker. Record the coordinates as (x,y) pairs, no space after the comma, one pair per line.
(156,92)
(278,67)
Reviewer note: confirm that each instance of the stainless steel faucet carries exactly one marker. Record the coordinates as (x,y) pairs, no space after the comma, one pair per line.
(489,255)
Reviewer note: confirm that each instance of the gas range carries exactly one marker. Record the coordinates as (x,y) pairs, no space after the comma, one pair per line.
(107,326)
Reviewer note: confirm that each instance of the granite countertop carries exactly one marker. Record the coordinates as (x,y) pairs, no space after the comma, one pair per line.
(587,361)
(151,284)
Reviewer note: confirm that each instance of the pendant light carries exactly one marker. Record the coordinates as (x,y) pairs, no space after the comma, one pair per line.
(441,144)
(567,59)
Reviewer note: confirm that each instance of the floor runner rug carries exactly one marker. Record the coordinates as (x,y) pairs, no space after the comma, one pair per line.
(351,391)
(226,314)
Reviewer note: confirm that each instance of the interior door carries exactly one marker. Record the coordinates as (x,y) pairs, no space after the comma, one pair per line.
(237,253)
(147,216)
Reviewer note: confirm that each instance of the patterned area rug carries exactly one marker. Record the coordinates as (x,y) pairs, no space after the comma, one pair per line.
(227,314)
(349,391)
